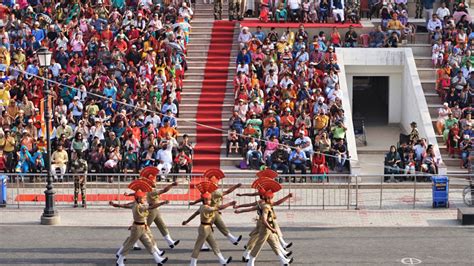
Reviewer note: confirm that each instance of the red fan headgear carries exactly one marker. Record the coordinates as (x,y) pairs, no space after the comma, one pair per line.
(149,172)
(214,175)
(268,194)
(267,173)
(206,186)
(140,185)
(206,195)
(266,184)
(148,181)
(139,194)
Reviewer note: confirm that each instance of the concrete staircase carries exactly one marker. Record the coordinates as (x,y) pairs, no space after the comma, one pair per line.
(422,53)
(197,58)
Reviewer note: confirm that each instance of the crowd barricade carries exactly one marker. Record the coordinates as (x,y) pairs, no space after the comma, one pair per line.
(344,192)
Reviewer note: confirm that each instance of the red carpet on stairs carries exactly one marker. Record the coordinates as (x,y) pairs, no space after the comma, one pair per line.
(209,140)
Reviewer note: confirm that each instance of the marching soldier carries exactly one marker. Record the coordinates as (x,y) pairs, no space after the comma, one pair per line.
(267,232)
(79,166)
(257,206)
(207,213)
(214,175)
(218,9)
(139,229)
(153,198)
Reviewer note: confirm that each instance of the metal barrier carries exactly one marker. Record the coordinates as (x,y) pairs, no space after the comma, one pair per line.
(335,192)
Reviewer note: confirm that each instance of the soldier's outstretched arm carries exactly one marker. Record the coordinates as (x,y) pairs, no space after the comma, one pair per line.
(230,190)
(125,206)
(232,203)
(280,201)
(167,188)
(195,202)
(190,218)
(254,194)
(154,206)
(246,210)
(245,205)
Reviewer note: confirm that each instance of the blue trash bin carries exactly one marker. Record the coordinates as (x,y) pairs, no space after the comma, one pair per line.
(3,191)
(440,191)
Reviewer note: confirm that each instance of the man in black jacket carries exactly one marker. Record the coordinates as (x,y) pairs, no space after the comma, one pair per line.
(279,160)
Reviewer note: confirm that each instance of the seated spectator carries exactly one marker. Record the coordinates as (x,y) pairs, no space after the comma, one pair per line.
(318,165)
(392,162)
(377,38)
(393,40)
(165,159)
(433,23)
(182,161)
(340,153)
(59,159)
(337,7)
(350,38)
(394,25)
(254,153)
(297,161)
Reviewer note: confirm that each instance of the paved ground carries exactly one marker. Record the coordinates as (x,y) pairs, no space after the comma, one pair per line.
(299,218)
(312,246)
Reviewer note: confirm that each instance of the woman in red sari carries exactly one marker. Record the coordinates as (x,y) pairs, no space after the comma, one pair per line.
(319,166)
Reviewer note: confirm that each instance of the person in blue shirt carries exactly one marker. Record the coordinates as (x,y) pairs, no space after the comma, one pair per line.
(169,105)
(169,117)
(297,161)
(273,130)
(428,9)
(32,68)
(38,33)
(110,91)
(244,57)
(259,34)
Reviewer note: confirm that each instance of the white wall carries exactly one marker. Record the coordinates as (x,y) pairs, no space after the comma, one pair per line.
(407,101)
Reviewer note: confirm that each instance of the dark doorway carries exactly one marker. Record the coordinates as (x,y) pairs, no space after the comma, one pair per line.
(370,100)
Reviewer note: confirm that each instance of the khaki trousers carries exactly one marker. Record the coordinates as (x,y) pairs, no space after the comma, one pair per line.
(155,216)
(219,223)
(142,233)
(265,235)
(205,234)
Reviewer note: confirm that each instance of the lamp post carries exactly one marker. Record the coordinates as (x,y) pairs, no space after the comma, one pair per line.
(50,214)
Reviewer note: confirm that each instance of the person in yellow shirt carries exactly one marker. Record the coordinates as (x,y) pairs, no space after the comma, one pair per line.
(4,96)
(320,122)
(394,25)
(59,159)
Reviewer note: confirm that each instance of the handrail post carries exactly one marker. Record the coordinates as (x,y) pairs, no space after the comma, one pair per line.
(17,191)
(414,193)
(349,192)
(289,201)
(324,196)
(357,193)
(381,190)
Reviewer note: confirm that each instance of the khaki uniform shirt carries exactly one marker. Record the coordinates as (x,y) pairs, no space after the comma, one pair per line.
(153,197)
(207,213)
(140,212)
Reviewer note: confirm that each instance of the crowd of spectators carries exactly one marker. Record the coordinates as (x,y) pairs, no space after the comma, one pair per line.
(288,113)
(452,40)
(115,75)
(412,156)
(308,11)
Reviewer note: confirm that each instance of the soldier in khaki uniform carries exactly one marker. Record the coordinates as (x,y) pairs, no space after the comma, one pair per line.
(154,215)
(267,232)
(214,176)
(258,206)
(139,230)
(207,213)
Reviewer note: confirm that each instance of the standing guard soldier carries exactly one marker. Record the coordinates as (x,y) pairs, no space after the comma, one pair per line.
(234,9)
(206,232)
(79,167)
(139,230)
(214,175)
(243,9)
(218,9)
